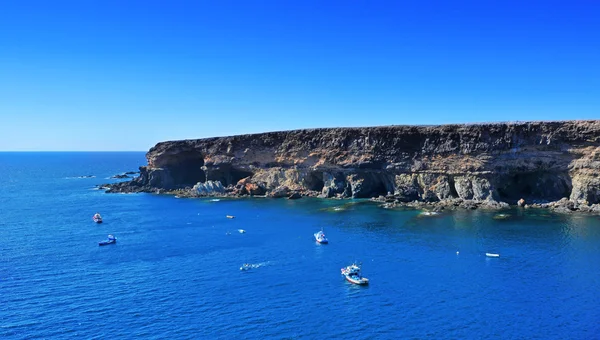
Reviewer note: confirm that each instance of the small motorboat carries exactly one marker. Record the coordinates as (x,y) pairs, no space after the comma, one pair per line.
(246,266)
(492,255)
(97,218)
(353,275)
(241,231)
(110,240)
(230,216)
(320,237)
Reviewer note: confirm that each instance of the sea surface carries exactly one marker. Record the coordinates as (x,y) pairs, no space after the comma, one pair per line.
(175,270)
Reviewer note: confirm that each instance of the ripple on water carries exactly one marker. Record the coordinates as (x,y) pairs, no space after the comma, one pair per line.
(170,279)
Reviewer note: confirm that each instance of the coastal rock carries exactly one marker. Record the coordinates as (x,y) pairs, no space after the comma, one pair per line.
(120,176)
(208,188)
(280,192)
(247,187)
(407,188)
(586,187)
(482,165)
(294,196)
(333,184)
(491,204)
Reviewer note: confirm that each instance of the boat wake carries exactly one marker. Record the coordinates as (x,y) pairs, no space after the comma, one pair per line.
(81,177)
(248,266)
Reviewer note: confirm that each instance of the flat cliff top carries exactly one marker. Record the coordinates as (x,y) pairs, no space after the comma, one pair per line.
(370,146)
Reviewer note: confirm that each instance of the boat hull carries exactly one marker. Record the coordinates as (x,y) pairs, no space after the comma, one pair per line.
(321,240)
(361,282)
(105,243)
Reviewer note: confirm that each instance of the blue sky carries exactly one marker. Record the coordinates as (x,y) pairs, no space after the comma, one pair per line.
(123,75)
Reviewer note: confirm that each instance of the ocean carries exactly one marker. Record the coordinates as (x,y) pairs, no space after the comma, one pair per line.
(175,269)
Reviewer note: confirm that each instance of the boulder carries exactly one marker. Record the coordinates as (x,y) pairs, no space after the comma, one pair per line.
(208,188)
(279,192)
(294,196)
(254,189)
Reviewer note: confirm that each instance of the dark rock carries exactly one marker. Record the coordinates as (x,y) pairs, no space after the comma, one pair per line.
(294,196)
(120,176)
(280,192)
(469,166)
(491,204)
(470,205)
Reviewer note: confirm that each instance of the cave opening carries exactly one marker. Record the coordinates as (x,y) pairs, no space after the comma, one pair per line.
(188,170)
(534,186)
(379,189)
(373,185)
(226,174)
(314,181)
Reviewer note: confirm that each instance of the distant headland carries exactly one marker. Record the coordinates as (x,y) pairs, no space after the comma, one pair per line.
(531,164)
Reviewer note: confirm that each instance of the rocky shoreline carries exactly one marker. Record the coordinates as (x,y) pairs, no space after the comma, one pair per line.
(564,206)
(549,165)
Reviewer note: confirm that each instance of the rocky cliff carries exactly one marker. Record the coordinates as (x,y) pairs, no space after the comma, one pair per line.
(501,162)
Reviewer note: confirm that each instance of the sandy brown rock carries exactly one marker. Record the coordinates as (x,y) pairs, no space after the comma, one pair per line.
(538,161)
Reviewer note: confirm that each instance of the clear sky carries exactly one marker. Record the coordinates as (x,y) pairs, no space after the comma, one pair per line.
(123,75)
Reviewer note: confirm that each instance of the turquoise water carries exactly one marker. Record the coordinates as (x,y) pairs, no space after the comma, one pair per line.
(175,270)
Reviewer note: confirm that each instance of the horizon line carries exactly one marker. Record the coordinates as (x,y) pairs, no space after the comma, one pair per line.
(73,151)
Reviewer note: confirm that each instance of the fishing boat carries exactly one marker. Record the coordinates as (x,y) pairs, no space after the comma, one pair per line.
(492,255)
(320,237)
(97,218)
(110,240)
(353,275)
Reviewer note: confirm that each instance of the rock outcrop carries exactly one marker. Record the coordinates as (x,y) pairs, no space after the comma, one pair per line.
(538,162)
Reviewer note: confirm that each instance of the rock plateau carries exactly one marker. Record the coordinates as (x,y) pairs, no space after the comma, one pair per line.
(474,165)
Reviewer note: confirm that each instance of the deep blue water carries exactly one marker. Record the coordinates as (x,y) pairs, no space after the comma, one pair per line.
(174,272)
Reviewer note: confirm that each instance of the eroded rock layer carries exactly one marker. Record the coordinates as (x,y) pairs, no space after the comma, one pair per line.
(503,162)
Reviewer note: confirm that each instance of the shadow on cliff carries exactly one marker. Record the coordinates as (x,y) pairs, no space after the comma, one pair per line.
(536,186)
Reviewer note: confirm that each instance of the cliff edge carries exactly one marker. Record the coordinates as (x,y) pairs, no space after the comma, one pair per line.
(538,162)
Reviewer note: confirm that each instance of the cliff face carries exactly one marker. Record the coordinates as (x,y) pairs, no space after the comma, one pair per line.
(542,161)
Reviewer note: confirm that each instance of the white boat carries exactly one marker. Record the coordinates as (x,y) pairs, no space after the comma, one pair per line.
(246,266)
(353,275)
(97,218)
(320,237)
(492,255)
(241,231)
